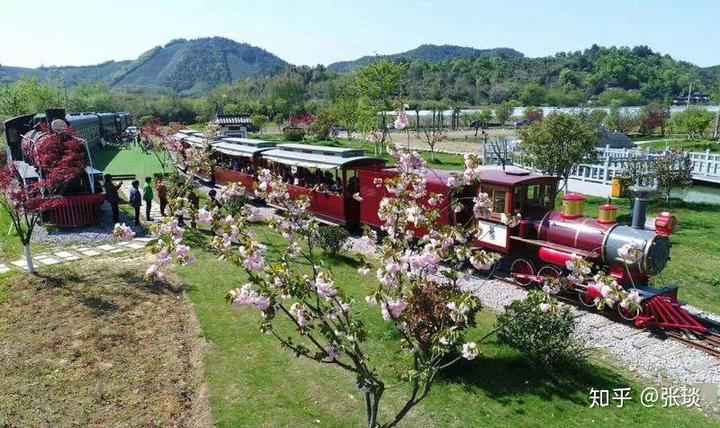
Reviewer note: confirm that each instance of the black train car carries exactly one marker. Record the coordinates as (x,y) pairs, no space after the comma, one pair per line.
(81,199)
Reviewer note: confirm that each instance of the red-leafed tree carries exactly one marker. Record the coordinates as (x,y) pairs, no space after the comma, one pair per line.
(303,121)
(59,158)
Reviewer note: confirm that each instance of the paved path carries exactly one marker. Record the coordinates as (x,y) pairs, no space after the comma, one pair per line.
(154,209)
(65,255)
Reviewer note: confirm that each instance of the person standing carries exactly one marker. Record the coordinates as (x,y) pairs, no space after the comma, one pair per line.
(194,206)
(111,195)
(147,195)
(162,195)
(136,200)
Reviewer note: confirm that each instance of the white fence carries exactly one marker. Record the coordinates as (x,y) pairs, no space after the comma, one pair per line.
(611,162)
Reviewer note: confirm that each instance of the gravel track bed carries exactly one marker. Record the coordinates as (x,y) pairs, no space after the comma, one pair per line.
(95,234)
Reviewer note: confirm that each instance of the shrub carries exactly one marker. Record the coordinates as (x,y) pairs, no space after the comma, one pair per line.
(332,238)
(324,126)
(548,339)
(293,133)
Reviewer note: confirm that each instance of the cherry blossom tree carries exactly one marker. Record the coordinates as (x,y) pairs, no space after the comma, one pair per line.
(160,141)
(419,268)
(59,158)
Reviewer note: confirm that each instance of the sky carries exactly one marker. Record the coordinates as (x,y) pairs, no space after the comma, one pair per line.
(82,32)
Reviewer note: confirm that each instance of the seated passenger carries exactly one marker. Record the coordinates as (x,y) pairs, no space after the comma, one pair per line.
(336,186)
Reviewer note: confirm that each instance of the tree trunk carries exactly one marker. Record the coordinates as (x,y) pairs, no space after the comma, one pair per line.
(28,258)
(372,401)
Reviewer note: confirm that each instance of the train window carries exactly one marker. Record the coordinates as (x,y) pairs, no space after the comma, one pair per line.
(533,192)
(498,201)
(519,199)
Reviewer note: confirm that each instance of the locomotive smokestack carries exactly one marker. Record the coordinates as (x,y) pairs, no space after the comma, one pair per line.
(642,195)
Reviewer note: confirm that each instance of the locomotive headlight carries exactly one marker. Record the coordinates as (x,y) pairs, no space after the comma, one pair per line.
(656,255)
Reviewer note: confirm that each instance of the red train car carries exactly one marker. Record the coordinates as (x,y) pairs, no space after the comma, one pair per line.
(310,170)
(238,159)
(436,183)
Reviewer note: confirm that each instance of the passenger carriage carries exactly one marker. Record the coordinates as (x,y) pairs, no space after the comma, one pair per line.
(436,183)
(237,160)
(305,167)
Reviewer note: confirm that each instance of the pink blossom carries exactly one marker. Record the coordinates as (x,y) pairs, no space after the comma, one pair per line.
(333,354)
(470,350)
(325,286)
(401,122)
(392,308)
(123,232)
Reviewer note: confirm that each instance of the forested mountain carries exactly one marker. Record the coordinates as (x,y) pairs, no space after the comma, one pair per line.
(186,67)
(196,66)
(429,54)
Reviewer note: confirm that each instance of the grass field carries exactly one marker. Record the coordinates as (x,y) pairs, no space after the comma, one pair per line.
(252,381)
(255,382)
(127,161)
(690,145)
(90,344)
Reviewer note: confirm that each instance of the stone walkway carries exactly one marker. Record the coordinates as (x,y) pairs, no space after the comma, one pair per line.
(69,254)
(154,209)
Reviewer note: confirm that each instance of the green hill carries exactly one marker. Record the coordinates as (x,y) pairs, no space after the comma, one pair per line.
(428,53)
(196,66)
(189,67)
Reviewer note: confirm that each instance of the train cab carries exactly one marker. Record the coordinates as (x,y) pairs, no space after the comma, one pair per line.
(513,193)
(237,160)
(327,175)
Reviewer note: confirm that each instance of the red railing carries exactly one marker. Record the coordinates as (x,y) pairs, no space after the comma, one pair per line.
(76,211)
(225,176)
(324,204)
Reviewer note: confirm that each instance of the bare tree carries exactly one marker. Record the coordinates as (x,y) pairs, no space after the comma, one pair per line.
(433,131)
(502,150)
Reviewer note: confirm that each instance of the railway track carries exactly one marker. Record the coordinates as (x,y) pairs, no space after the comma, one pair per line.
(708,342)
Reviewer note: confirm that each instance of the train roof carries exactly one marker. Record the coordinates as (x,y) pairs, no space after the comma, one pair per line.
(322,150)
(488,175)
(81,119)
(248,142)
(245,150)
(322,157)
(511,176)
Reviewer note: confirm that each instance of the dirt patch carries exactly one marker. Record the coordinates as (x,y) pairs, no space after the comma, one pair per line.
(91,344)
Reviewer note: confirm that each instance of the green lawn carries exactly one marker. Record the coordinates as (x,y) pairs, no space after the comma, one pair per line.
(127,161)
(253,381)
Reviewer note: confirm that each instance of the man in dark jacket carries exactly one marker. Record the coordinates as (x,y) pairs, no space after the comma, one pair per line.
(111,195)
(136,200)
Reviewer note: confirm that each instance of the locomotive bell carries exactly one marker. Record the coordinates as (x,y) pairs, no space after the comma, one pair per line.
(573,205)
(607,214)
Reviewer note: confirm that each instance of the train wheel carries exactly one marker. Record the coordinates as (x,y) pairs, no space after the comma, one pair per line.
(585,299)
(549,272)
(522,272)
(628,314)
